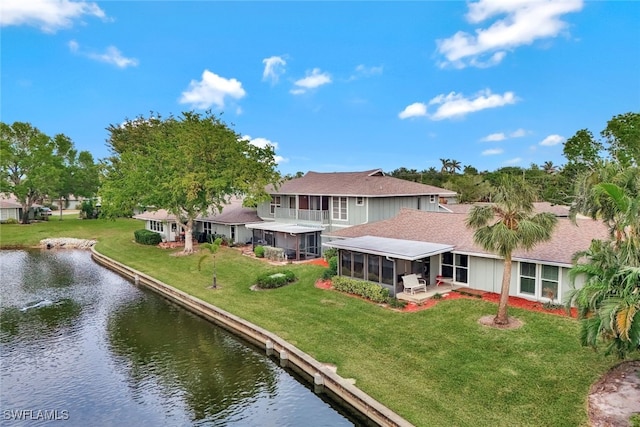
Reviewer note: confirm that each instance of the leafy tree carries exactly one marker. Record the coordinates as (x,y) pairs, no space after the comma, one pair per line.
(77,172)
(29,167)
(213,249)
(470,188)
(508,224)
(549,167)
(622,135)
(188,165)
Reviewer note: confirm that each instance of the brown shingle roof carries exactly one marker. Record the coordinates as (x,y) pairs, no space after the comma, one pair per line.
(450,228)
(232,213)
(372,183)
(557,210)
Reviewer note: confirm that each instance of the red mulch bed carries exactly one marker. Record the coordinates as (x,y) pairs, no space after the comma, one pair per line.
(318,261)
(485,296)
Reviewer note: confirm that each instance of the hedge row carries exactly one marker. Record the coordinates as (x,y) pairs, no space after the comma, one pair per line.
(371,291)
(147,237)
(277,279)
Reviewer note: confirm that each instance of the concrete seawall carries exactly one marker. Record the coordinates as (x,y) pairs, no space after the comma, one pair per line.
(324,379)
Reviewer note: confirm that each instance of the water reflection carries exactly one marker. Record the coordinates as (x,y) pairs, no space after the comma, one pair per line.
(78,338)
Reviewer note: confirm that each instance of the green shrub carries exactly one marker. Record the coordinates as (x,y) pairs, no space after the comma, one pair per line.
(635,420)
(10,221)
(368,290)
(270,280)
(332,270)
(396,303)
(259,251)
(147,237)
(437,296)
(330,253)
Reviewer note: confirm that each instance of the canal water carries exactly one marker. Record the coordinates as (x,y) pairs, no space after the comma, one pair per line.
(81,346)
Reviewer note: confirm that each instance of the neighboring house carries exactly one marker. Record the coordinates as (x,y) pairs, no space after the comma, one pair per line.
(230,223)
(439,244)
(11,208)
(162,222)
(303,210)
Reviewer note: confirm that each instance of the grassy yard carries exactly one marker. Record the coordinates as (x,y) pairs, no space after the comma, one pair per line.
(436,367)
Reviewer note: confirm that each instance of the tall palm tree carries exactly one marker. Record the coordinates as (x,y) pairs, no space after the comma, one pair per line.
(454,166)
(446,163)
(508,224)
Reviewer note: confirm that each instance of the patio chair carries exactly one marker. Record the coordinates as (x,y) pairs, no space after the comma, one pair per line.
(413,283)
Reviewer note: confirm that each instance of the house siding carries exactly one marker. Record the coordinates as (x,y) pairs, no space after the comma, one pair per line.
(9,213)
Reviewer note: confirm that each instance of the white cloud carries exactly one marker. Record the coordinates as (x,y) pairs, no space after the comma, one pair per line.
(522,22)
(112,55)
(552,140)
(364,71)
(518,133)
(417,109)
(47,15)
(456,105)
(264,142)
(494,137)
(273,68)
(501,136)
(513,161)
(211,90)
(492,151)
(314,79)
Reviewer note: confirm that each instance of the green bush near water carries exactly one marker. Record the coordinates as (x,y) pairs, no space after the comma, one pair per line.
(147,237)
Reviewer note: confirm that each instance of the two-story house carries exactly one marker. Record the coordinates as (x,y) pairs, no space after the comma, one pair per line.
(303,210)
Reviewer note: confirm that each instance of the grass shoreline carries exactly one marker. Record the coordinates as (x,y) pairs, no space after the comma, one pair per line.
(433,367)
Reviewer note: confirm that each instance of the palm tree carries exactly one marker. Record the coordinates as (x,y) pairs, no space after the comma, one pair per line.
(212,248)
(549,167)
(454,166)
(609,301)
(446,163)
(508,224)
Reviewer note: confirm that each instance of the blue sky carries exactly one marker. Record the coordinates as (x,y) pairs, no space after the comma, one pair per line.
(334,86)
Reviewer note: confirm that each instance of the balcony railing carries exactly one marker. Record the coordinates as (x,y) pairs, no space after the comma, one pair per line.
(302,215)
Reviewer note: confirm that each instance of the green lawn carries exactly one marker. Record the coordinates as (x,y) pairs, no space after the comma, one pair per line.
(436,367)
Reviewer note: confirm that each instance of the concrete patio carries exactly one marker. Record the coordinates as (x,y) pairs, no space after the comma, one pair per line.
(421,296)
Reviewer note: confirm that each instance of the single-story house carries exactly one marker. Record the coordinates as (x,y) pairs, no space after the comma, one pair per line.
(438,245)
(162,222)
(231,222)
(10,209)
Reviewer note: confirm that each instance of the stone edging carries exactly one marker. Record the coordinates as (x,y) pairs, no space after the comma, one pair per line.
(323,377)
(66,242)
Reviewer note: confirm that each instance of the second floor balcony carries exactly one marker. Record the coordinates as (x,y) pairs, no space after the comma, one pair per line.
(317,216)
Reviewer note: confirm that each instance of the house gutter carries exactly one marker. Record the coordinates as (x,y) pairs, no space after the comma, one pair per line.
(323,378)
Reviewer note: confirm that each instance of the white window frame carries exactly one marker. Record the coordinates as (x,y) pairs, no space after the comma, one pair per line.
(340,208)
(432,198)
(276,202)
(359,201)
(156,226)
(539,292)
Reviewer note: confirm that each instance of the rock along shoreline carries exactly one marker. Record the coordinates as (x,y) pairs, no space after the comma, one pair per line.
(67,243)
